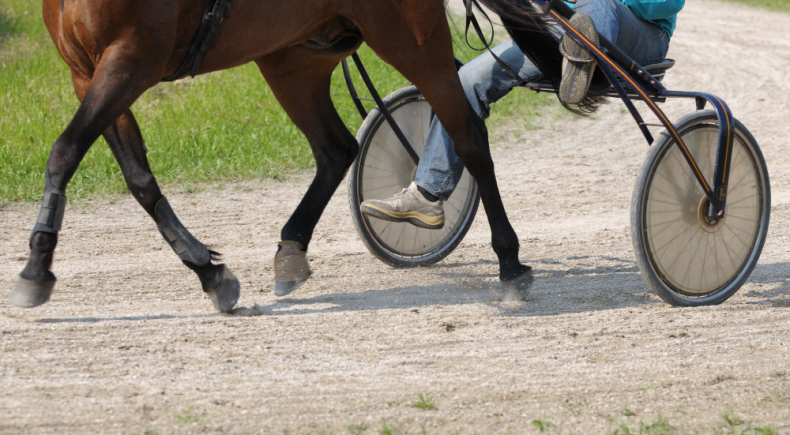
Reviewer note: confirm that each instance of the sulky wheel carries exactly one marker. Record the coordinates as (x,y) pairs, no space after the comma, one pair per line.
(383,168)
(686,258)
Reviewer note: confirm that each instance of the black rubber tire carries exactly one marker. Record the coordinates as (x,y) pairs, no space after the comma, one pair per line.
(414,246)
(669,230)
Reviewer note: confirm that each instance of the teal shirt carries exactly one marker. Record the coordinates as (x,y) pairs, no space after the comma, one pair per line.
(663,13)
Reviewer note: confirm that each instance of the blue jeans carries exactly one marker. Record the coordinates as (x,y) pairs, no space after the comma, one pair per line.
(485,82)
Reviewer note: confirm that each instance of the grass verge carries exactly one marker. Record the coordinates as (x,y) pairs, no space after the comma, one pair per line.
(218,127)
(774,5)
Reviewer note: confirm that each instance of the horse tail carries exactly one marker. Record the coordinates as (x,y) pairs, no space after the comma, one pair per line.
(538,37)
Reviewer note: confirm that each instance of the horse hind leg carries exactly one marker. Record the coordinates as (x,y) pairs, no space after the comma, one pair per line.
(126,143)
(426,60)
(300,79)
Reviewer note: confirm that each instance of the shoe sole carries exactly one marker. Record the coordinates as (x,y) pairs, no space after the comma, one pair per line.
(576,79)
(414,218)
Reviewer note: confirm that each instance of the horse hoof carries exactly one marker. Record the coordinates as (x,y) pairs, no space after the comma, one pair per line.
(226,294)
(521,283)
(291,268)
(282,288)
(29,294)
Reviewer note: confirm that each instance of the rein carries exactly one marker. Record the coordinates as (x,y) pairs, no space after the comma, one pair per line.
(204,39)
(471,19)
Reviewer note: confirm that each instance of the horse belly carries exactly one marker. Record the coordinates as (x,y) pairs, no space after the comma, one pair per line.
(254,29)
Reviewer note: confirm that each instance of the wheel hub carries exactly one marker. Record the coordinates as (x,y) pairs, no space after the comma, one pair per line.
(707,223)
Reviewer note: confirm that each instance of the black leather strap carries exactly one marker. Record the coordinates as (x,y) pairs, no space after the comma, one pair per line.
(471,19)
(50,217)
(204,39)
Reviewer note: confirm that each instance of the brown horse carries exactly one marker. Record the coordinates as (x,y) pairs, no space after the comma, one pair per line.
(117,49)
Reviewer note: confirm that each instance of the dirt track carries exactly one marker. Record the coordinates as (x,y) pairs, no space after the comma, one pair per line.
(129,343)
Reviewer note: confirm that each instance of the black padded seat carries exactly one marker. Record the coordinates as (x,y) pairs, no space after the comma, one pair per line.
(659,70)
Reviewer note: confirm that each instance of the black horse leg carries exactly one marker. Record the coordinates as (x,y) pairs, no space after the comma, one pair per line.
(473,149)
(476,156)
(300,80)
(429,64)
(126,143)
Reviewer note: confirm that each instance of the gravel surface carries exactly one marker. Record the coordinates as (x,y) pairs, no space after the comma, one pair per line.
(129,343)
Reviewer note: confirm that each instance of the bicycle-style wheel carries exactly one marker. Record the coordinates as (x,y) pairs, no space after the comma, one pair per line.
(686,258)
(383,168)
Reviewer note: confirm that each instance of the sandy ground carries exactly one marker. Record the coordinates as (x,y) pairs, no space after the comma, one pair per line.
(129,344)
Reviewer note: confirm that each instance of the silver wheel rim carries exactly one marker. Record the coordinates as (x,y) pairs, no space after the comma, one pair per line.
(387,169)
(694,256)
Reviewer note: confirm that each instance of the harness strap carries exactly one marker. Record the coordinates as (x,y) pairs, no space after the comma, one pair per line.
(471,19)
(204,39)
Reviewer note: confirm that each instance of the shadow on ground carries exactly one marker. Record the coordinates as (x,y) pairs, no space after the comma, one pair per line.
(119,319)
(574,285)
(774,276)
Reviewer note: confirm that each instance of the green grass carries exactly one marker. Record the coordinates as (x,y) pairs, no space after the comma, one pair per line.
(356,429)
(575,408)
(781,395)
(732,424)
(188,416)
(627,412)
(547,427)
(424,401)
(774,5)
(218,127)
(727,423)
(657,426)
(389,428)
(543,426)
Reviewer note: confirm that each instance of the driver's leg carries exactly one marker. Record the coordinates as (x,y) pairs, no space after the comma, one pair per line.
(484,83)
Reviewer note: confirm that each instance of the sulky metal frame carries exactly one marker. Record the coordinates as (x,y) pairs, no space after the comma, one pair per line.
(630,81)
